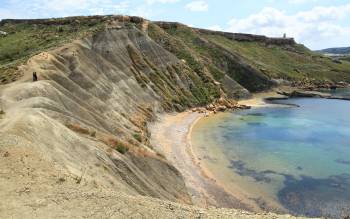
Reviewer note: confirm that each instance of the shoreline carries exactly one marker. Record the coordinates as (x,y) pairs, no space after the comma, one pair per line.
(171,136)
(207,174)
(232,187)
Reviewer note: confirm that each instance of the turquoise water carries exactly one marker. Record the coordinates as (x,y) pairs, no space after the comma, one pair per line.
(305,149)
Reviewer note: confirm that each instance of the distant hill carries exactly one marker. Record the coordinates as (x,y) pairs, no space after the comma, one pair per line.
(339,50)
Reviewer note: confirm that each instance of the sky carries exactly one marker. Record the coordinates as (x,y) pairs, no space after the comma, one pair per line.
(316,23)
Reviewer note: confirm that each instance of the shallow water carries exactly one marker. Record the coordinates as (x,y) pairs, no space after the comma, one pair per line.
(298,157)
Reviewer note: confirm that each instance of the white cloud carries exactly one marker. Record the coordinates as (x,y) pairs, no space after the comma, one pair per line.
(58,8)
(197,6)
(5,13)
(141,11)
(297,1)
(301,1)
(110,8)
(161,1)
(314,27)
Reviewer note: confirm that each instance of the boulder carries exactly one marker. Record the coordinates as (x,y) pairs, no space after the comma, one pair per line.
(342,84)
(222,108)
(243,107)
(3,33)
(210,107)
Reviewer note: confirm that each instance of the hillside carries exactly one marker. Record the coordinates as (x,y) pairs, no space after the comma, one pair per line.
(279,59)
(81,134)
(212,52)
(337,51)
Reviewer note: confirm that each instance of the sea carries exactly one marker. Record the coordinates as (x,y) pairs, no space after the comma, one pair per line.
(292,155)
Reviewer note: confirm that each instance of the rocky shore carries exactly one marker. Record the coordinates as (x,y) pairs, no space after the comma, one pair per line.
(291,92)
(220,105)
(311,85)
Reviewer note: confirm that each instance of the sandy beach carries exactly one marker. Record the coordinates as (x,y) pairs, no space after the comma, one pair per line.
(171,136)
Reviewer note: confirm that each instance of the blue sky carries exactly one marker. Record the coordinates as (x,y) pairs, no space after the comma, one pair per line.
(315,23)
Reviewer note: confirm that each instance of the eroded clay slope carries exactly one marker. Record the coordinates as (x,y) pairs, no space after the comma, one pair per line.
(87,104)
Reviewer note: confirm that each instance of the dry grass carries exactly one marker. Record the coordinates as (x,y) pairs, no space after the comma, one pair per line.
(138,121)
(143,152)
(123,147)
(116,144)
(77,128)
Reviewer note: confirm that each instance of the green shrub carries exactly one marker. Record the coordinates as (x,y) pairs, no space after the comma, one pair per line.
(138,137)
(122,149)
